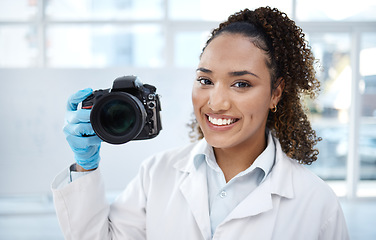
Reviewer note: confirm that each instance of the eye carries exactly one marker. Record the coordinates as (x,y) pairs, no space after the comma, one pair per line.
(242,84)
(204,81)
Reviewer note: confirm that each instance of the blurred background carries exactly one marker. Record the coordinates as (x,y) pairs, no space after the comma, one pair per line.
(49,49)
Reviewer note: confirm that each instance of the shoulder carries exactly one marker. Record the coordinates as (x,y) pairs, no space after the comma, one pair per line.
(312,202)
(313,194)
(308,181)
(304,185)
(305,182)
(298,175)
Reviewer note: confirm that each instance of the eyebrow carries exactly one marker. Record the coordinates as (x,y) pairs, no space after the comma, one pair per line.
(235,73)
(242,73)
(204,70)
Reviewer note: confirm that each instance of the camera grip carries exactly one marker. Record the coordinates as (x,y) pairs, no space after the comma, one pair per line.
(88,102)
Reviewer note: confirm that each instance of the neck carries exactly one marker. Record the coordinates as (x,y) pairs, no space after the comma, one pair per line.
(237,159)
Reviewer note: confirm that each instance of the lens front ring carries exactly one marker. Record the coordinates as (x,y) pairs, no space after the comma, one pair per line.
(118,117)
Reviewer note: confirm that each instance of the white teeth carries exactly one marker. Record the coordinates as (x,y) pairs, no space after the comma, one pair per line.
(221,121)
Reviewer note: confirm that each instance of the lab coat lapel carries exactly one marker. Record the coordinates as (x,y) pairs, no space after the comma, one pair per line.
(281,180)
(194,189)
(261,200)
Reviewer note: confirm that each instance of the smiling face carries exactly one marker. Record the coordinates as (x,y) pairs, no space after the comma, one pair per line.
(232,95)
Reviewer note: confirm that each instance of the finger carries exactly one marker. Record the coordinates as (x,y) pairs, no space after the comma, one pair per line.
(79,116)
(78,143)
(87,153)
(78,97)
(82,129)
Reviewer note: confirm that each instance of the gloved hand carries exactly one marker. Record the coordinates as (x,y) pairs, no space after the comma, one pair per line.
(79,133)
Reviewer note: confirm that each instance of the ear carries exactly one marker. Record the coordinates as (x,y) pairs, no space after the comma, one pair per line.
(277,92)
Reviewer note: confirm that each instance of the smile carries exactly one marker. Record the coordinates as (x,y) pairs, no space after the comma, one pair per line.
(221,121)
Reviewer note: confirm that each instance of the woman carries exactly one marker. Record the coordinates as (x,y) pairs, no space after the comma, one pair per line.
(244,179)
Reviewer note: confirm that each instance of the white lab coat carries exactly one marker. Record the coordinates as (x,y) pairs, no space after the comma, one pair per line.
(168,200)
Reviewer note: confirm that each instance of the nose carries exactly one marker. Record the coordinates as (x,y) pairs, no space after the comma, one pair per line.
(219,99)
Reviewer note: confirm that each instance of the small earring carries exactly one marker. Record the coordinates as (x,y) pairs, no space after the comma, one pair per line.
(274,109)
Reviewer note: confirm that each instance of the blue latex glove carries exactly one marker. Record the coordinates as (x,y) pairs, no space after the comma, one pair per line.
(79,133)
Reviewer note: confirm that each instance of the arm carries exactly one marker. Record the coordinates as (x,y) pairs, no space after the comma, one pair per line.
(81,207)
(84,213)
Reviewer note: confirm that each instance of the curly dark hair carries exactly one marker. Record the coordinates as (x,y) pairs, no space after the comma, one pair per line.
(291,63)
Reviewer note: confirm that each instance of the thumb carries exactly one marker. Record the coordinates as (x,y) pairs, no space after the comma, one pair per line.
(78,97)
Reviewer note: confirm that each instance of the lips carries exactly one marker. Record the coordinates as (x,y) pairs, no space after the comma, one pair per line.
(217,121)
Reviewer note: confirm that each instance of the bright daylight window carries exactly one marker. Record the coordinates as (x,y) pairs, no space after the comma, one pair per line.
(330,111)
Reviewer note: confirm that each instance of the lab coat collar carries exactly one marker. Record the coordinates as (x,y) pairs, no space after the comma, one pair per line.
(279,182)
(188,164)
(280,178)
(194,188)
(264,161)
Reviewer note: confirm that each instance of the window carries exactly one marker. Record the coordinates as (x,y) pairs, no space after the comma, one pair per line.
(94,33)
(330,111)
(113,10)
(104,45)
(218,10)
(367,138)
(26,10)
(18,46)
(336,10)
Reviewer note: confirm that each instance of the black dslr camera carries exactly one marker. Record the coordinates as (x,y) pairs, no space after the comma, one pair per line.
(130,110)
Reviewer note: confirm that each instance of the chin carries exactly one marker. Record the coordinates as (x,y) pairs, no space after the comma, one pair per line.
(219,141)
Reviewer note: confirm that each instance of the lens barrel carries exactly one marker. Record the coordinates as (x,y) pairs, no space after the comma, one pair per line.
(118,117)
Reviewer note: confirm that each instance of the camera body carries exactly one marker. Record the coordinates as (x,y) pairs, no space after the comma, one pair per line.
(130,110)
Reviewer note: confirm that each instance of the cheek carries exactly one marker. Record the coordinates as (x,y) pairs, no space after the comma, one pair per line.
(197,100)
(198,94)
(255,106)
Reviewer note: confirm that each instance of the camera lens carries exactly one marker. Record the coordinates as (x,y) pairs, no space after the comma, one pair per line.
(118,117)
